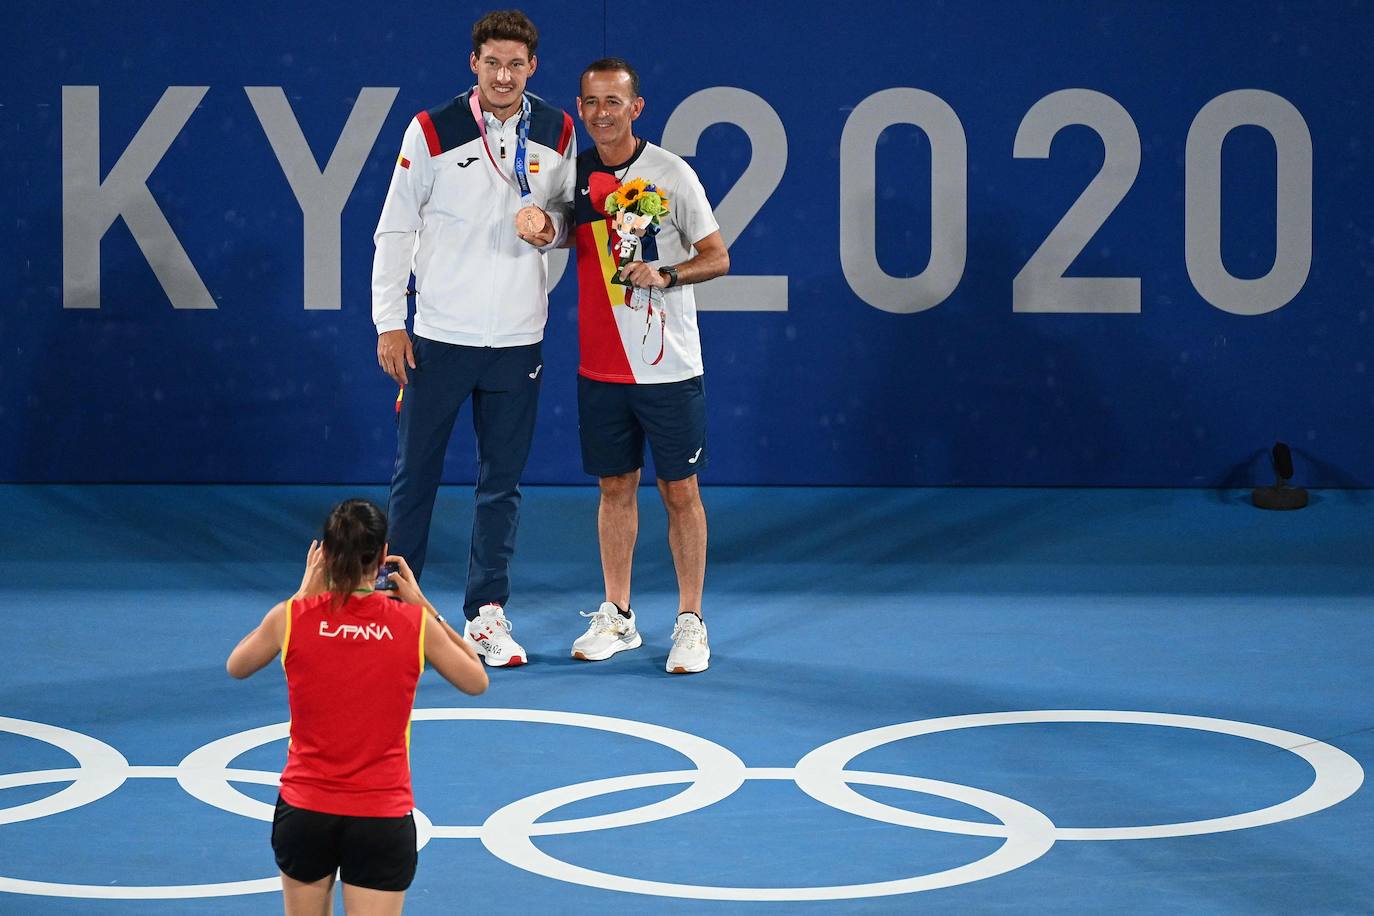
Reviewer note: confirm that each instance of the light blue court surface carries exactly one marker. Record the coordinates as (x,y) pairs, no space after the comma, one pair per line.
(1139,701)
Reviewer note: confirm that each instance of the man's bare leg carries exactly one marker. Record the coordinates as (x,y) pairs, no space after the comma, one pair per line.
(686,539)
(617,527)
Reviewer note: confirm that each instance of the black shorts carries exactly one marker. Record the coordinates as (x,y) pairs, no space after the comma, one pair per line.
(614,419)
(373,852)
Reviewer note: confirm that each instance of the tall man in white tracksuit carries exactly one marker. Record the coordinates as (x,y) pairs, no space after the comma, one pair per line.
(476,178)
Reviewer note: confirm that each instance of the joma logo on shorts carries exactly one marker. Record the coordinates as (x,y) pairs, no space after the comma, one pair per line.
(353,631)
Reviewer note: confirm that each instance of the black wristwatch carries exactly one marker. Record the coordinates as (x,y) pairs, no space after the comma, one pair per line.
(671,273)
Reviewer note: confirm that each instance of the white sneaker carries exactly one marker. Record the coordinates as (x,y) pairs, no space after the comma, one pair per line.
(489,634)
(690,652)
(609,632)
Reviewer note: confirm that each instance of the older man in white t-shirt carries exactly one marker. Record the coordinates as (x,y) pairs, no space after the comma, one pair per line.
(640,368)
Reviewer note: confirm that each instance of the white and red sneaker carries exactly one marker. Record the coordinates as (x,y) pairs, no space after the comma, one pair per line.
(489,634)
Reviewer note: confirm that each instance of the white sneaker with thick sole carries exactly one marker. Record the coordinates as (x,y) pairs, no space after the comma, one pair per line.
(489,634)
(608,633)
(691,652)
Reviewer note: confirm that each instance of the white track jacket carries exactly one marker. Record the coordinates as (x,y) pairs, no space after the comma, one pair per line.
(449,218)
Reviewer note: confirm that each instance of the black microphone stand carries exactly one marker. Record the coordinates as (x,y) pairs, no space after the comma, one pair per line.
(1280,496)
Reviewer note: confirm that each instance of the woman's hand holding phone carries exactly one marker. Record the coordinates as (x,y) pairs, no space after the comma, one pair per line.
(402,581)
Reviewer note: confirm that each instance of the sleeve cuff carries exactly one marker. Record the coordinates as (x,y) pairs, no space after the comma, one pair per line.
(560,231)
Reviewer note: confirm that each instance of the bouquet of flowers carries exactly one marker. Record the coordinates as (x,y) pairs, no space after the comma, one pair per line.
(638,208)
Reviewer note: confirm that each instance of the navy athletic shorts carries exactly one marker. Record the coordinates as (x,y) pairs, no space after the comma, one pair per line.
(613,420)
(373,852)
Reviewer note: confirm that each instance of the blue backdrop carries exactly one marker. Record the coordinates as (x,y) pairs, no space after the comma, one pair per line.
(912,197)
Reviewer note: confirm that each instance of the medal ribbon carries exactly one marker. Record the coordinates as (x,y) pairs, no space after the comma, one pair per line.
(522,130)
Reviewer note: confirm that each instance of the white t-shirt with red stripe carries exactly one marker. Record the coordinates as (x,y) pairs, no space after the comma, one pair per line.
(619,343)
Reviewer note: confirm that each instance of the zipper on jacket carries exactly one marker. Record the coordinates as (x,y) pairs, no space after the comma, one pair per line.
(497,226)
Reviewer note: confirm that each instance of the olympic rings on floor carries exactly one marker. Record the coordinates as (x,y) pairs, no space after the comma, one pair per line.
(1337,774)
(823,774)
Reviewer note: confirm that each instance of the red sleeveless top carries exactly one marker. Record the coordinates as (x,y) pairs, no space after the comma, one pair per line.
(351,673)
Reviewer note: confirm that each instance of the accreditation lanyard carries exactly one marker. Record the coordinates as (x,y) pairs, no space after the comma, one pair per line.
(639,297)
(522,181)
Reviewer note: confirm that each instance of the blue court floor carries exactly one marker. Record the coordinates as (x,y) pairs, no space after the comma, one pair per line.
(944,701)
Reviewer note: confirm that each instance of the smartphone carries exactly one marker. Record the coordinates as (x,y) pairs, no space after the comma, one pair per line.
(383,583)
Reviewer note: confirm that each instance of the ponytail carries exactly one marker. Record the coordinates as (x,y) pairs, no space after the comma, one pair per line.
(354,535)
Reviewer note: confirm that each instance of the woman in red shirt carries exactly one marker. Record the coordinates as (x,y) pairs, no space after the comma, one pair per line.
(353,657)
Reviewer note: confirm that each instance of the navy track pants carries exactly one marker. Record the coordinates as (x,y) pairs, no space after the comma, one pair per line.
(503,383)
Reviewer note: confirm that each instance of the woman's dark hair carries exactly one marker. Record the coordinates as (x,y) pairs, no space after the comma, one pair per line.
(504,25)
(354,535)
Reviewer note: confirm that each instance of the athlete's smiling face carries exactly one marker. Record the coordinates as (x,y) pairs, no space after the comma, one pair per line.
(608,108)
(502,67)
